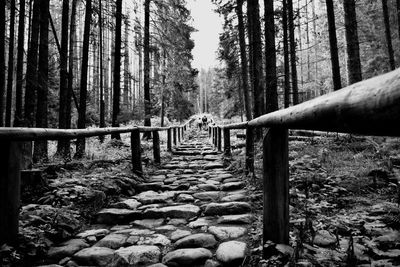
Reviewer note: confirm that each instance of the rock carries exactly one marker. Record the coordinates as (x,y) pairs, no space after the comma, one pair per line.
(166,228)
(208,187)
(187,257)
(236,219)
(234,197)
(231,253)
(116,216)
(135,231)
(151,197)
(231,180)
(157,265)
(149,186)
(196,240)
(149,223)
(285,249)
(113,241)
(232,186)
(95,256)
(131,204)
(227,208)
(388,240)
(212,263)
(137,256)
(156,239)
(182,211)
(324,239)
(208,196)
(94,232)
(185,198)
(178,234)
(177,222)
(213,165)
(227,232)
(200,222)
(67,249)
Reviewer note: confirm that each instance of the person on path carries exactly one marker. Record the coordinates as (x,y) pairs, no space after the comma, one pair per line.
(204,121)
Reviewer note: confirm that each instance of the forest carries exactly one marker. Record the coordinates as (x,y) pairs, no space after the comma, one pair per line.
(164,164)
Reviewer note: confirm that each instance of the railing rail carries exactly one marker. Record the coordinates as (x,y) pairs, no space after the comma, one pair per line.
(370,107)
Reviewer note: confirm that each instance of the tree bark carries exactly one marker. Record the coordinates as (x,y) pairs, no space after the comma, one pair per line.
(146,52)
(337,83)
(286,55)
(353,46)
(10,69)
(271,90)
(127,74)
(243,59)
(2,59)
(293,53)
(388,34)
(80,144)
(102,104)
(40,148)
(18,117)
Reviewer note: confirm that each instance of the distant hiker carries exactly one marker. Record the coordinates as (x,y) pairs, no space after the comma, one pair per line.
(204,120)
(199,123)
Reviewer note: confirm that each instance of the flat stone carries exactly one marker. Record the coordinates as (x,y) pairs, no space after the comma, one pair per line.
(113,241)
(213,165)
(177,222)
(131,204)
(137,256)
(231,180)
(231,253)
(200,222)
(67,249)
(324,239)
(141,232)
(149,223)
(208,196)
(95,256)
(208,187)
(187,257)
(115,216)
(181,211)
(120,227)
(197,240)
(232,186)
(156,239)
(185,198)
(227,232)
(94,232)
(236,219)
(178,234)
(151,197)
(158,265)
(234,197)
(227,208)
(212,263)
(166,228)
(155,186)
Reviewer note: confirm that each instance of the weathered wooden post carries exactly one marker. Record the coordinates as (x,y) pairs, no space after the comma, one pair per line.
(249,150)
(276,186)
(156,147)
(227,142)
(215,136)
(10,182)
(179,134)
(169,139)
(174,136)
(136,152)
(219,140)
(209,132)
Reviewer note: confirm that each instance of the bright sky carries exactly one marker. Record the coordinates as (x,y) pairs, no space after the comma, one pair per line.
(206,39)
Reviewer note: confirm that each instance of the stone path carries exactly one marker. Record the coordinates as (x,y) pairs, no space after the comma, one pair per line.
(191,212)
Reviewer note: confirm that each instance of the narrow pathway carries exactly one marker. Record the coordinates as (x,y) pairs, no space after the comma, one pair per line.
(190,212)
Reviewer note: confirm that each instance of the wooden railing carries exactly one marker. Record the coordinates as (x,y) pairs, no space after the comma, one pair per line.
(371,107)
(11,153)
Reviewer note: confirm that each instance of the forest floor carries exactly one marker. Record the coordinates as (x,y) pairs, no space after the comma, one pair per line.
(344,194)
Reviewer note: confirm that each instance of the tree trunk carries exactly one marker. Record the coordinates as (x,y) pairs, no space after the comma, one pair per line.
(117,69)
(146,52)
(300,44)
(398,17)
(353,47)
(293,52)
(127,74)
(337,84)
(102,104)
(32,63)
(388,34)
(71,63)
(164,77)
(271,92)
(10,69)
(63,145)
(40,148)
(80,144)
(243,59)
(286,55)
(20,65)
(316,46)
(2,59)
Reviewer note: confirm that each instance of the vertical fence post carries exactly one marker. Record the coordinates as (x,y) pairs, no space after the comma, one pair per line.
(169,139)
(209,132)
(174,136)
(10,181)
(249,150)
(156,147)
(276,186)
(136,154)
(227,143)
(179,134)
(215,136)
(219,141)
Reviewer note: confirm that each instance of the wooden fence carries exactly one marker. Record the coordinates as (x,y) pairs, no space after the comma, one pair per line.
(370,107)
(11,154)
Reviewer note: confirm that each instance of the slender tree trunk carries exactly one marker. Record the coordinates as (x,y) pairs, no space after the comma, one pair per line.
(337,84)
(80,144)
(10,74)
(316,46)
(388,34)
(71,63)
(398,17)
(271,92)
(293,53)
(63,145)
(286,55)
(308,44)
(164,77)
(147,103)
(32,63)
(40,148)
(117,69)
(126,66)
(300,44)
(2,59)
(18,118)
(243,59)
(353,46)
(102,104)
